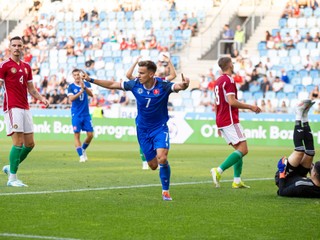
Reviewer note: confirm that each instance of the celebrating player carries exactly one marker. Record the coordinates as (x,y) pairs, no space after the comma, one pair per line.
(17,78)
(152,94)
(172,75)
(227,120)
(78,93)
(292,171)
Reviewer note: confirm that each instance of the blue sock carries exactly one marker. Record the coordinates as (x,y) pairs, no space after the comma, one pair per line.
(79,151)
(85,145)
(165,175)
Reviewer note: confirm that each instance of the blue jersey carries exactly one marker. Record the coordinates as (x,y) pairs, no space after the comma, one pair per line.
(80,106)
(152,103)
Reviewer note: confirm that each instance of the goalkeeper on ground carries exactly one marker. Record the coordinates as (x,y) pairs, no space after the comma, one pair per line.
(291,177)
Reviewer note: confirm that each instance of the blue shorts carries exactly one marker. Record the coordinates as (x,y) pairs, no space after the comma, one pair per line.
(151,140)
(82,123)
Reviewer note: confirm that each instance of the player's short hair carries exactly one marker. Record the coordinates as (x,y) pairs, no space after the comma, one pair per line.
(317,169)
(224,63)
(75,70)
(151,66)
(15,38)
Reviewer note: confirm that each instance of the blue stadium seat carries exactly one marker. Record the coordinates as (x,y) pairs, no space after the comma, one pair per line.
(282,22)
(247,95)
(303,73)
(300,45)
(103,15)
(257,95)
(307,12)
(310,87)
(281,95)
(296,81)
(291,95)
(311,45)
(316,12)
(314,73)
(293,52)
(175,61)
(270,95)
(173,15)
(298,88)
(263,53)
(288,88)
(291,74)
(316,81)
(129,16)
(262,46)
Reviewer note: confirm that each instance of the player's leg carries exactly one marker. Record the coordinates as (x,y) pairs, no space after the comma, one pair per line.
(145,165)
(235,137)
(88,127)
(76,125)
(14,119)
(28,142)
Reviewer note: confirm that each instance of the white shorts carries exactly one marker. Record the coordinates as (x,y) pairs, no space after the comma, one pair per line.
(233,134)
(18,120)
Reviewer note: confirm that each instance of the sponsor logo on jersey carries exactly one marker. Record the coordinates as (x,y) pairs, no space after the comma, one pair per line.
(156,92)
(140,90)
(13,70)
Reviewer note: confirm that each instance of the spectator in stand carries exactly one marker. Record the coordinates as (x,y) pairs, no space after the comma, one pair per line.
(153,43)
(36,6)
(307,63)
(277,85)
(124,100)
(270,43)
(254,77)
(296,11)
(133,45)
(26,38)
(34,42)
(35,68)
(268,64)
(184,23)
(27,57)
(85,30)
(297,36)
(63,97)
(290,45)
(263,106)
(62,42)
(205,99)
(203,83)
(113,97)
(124,44)
(172,5)
(278,41)
(261,69)
(239,37)
(96,31)
(44,86)
(287,12)
(83,15)
(142,45)
(268,35)
(54,97)
(42,43)
(193,23)
(97,44)
(286,39)
(265,86)
(283,107)
(87,43)
(79,49)
(315,94)
(284,76)
(237,79)
(316,37)
(211,84)
(269,107)
(228,34)
(61,74)
(63,83)
(308,38)
(94,15)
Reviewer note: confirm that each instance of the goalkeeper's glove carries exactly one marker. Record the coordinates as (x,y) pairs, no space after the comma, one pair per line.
(282,164)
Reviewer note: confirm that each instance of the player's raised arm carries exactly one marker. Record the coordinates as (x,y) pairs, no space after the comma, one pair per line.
(129,74)
(172,70)
(102,83)
(182,85)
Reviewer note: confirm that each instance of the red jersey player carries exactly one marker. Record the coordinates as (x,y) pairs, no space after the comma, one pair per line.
(16,76)
(227,120)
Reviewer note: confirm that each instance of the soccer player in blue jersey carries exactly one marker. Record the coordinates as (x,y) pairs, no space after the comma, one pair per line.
(172,75)
(78,93)
(152,94)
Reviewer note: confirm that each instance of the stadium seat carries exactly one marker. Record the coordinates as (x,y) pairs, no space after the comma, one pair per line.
(288,88)
(291,95)
(262,46)
(257,95)
(299,88)
(270,95)
(309,87)
(316,81)
(282,22)
(292,22)
(316,13)
(307,80)
(307,12)
(247,95)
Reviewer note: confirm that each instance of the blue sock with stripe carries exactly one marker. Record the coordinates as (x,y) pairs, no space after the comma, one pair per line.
(164,174)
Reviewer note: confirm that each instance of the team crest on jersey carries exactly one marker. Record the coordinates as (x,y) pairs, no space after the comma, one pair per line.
(13,70)
(140,91)
(156,92)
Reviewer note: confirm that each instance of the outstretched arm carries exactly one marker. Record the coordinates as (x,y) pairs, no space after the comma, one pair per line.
(102,83)
(233,102)
(34,93)
(182,85)
(131,69)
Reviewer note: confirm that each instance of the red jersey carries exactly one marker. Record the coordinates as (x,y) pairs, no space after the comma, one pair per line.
(15,77)
(226,115)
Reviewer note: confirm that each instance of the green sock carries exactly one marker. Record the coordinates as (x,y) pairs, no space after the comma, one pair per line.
(232,159)
(24,153)
(143,158)
(237,168)
(14,158)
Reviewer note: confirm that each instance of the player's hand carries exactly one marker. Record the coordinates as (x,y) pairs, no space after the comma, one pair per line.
(45,102)
(282,164)
(166,58)
(138,59)
(185,82)
(256,109)
(84,75)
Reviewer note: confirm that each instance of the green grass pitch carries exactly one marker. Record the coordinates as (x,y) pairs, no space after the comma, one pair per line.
(111,197)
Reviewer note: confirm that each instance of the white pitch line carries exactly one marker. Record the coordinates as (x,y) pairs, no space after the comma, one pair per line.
(121,187)
(13,235)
